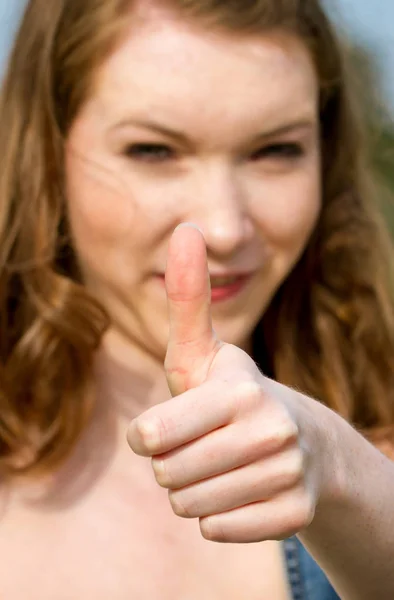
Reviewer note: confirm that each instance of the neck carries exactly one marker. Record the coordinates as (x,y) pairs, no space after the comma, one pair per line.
(129,379)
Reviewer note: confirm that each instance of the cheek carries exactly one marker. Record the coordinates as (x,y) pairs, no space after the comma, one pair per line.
(288,210)
(117,220)
(100,209)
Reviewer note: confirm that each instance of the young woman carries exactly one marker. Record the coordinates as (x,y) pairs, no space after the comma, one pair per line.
(120,121)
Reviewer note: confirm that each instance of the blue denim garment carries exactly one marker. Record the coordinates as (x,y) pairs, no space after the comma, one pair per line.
(307,580)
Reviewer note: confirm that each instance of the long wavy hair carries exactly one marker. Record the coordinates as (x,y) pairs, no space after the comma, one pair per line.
(330,328)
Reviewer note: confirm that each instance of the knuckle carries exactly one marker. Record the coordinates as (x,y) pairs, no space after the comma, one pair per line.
(161,433)
(247,389)
(304,511)
(270,425)
(271,438)
(212,530)
(297,516)
(246,396)
(179,506)
(285,472)
(294,469)
(285,429)
(162,473)
(151,433)
(282,432)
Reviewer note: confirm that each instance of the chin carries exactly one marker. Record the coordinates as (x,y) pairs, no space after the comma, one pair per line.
(239,333)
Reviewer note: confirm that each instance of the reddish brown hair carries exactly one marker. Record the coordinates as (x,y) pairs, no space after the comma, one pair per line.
(330,329)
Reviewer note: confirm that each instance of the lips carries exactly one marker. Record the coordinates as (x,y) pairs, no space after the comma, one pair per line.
(223,281)
(224,287)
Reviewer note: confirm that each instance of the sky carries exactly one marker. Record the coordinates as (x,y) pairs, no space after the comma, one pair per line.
(371,21)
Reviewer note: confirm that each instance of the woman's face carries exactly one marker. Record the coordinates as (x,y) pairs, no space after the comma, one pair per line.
(190,125)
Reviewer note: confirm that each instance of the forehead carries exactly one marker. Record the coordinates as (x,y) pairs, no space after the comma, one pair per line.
(166,65)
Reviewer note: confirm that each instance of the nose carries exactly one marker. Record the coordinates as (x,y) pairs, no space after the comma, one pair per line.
(220,209)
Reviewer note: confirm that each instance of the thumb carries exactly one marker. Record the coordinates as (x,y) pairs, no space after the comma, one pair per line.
(192,343)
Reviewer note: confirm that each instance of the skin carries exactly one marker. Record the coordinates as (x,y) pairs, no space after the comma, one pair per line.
(261,480)
(255,194)
(278,462)
(254,198)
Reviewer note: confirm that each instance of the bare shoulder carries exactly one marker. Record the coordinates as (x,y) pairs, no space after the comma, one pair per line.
(387,448)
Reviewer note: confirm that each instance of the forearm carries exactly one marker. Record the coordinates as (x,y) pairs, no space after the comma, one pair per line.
(352,533)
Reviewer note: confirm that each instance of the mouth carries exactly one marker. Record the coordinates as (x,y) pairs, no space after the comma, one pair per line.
(225,287)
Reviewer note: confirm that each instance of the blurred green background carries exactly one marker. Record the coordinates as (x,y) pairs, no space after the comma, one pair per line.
(379,116)
(384,165)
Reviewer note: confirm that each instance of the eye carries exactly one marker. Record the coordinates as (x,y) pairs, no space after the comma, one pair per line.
(288,151)
(151,153)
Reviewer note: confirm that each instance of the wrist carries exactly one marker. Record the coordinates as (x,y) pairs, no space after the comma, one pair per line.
(332,440)
(344,458)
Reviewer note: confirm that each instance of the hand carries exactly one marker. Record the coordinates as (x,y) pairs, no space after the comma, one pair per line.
(233,448)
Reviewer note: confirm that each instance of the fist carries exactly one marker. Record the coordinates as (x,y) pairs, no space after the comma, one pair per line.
(233,448)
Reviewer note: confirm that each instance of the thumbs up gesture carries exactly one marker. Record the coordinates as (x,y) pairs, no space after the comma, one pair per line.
(236,450)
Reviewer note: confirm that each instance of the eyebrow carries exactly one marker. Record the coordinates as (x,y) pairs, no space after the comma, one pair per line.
(307,122)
